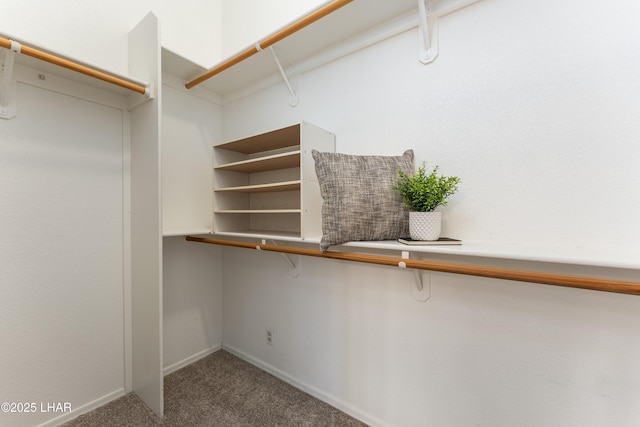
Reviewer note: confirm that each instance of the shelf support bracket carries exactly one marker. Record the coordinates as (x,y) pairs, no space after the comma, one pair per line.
(294,267)
(427,36)
(420,291)
(7,82)
(293,96)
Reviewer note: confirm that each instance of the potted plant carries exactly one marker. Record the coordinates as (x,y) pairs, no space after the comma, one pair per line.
(422,193)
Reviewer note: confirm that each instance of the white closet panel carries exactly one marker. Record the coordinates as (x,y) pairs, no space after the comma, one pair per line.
(146,221)
(190,127)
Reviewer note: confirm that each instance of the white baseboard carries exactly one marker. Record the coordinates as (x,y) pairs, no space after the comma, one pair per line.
(76,412)
(313,391)
(189,360)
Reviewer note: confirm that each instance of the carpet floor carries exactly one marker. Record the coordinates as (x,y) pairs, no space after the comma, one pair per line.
(221,390)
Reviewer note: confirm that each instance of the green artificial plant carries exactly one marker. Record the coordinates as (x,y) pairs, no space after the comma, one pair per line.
(423,192)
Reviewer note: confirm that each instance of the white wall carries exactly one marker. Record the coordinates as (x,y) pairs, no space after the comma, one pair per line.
(247,21)
(96,31)
(480,352)
(192,285)
(535,107)
(542,133)
(62,252)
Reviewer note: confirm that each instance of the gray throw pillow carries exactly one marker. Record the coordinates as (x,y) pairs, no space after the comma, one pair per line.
(359,202)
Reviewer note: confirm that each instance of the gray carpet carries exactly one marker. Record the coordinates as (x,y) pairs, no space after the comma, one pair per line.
(221,390)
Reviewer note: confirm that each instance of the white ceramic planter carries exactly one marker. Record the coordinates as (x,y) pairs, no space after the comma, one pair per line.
(425,225)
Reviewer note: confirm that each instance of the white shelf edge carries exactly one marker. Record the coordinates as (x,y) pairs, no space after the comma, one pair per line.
(290,143)
(249,188)
(178,233)
(624,259)
(273,235)
(257,160)
(256,211)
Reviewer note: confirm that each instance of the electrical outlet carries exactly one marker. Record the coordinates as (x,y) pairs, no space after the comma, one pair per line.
(269,332)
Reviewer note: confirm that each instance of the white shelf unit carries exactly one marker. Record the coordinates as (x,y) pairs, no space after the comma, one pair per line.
(266,184)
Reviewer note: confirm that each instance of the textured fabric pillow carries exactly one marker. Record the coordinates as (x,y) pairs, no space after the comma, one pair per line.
(359,202)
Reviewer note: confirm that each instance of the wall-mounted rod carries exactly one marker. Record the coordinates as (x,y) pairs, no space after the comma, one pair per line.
(56,60)
(617,286)
(269,41)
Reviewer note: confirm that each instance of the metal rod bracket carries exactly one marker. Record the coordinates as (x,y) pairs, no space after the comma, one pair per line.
(419,291)
(136,99)
(7,82)
(293,96)
(427,34)
(294,267)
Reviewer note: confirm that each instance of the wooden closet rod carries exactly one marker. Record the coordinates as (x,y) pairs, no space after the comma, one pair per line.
(269,41)
(622,287)
(47,57)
